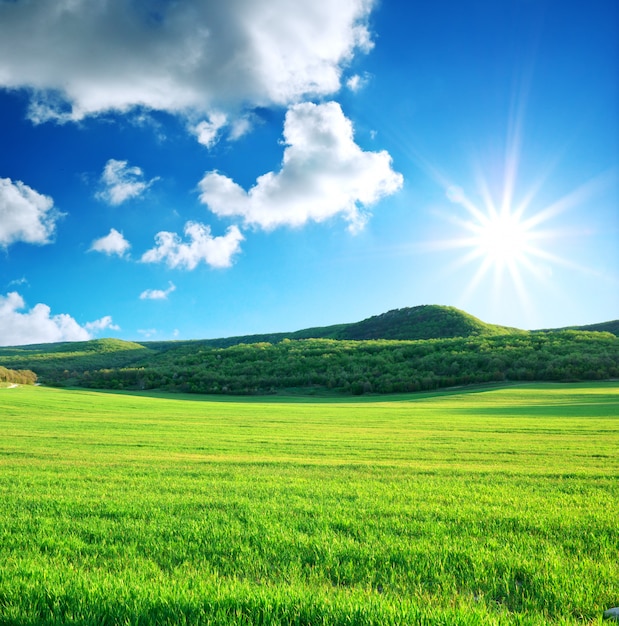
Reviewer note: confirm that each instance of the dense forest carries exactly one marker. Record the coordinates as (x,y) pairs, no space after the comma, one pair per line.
(356,367)
(416,349)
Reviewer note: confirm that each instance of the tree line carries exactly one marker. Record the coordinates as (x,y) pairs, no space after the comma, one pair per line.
(349,367)
(20,377)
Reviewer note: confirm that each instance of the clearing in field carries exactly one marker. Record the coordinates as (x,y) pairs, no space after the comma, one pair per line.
(489,507)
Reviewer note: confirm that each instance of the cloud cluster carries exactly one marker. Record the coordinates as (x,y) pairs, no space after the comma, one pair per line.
(113,243)
(201,246)
(122,182)
(84,57)
(38,325)
(25,215)
(323,173)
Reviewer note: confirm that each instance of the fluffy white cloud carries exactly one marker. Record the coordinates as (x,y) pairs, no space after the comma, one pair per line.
(324,173)
(84,57)
(207,132)
(25,215)
(122,182)
(202,246)
(114,243)
(19,326)
(101,324)
(158,294)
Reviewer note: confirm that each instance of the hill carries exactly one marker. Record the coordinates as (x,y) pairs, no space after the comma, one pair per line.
(409,349)
(603,327)
(53,361)
(421,322)
(94,345)
(429,321)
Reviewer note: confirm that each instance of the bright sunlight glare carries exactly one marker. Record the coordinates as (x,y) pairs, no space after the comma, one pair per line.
(508,239)
(502,238)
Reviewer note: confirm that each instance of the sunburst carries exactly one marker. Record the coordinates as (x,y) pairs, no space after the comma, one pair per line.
(510,239)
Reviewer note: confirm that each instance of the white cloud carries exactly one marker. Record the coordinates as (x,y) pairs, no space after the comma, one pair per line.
(25,215)
(19,326)
(158,294)
(356,83)
(101,324)
(147,332)
(122,182)
(324,173)
(207,132)
(19,281)
(202,246)
(85,57)
(240,126)
(114,243)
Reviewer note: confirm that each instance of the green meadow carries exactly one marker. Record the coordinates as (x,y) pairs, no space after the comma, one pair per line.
(488,506)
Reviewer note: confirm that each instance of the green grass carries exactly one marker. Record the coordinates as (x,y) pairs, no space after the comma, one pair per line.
(493,506)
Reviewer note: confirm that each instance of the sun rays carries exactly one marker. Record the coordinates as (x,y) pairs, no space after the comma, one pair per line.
(510,238)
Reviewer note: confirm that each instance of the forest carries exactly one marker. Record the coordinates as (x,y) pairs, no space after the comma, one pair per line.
(414,349)
(348,367)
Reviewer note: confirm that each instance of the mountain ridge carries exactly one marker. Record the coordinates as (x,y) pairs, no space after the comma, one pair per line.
(426,321)
(410,349)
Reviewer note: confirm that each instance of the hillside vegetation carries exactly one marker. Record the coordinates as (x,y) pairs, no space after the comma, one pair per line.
(406,350)
(21,377)
(429,321)
(603,327)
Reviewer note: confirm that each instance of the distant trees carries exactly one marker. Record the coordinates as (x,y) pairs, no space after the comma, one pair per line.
(20,377)
(346,366)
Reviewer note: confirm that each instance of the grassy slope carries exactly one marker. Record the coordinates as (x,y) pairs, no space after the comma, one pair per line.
(81,347)
(81,355)
(494,507)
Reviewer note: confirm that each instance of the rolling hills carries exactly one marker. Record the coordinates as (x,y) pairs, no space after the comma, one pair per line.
(410,349)
(429,321)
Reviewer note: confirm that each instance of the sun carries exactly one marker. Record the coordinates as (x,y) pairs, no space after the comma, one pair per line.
(509,237)
(505,237)
(505,223)
(502,238)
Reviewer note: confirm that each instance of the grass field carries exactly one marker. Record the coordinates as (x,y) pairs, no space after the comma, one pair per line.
(496,506)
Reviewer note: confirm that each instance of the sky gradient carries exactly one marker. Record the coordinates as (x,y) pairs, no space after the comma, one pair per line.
(179,170)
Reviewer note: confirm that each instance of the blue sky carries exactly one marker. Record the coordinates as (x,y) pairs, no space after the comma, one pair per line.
(177,170)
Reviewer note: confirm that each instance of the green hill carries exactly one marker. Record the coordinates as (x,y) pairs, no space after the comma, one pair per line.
(603,327)
(422,322)
(48,359)
(94,345)
(410,349)
(429,321)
